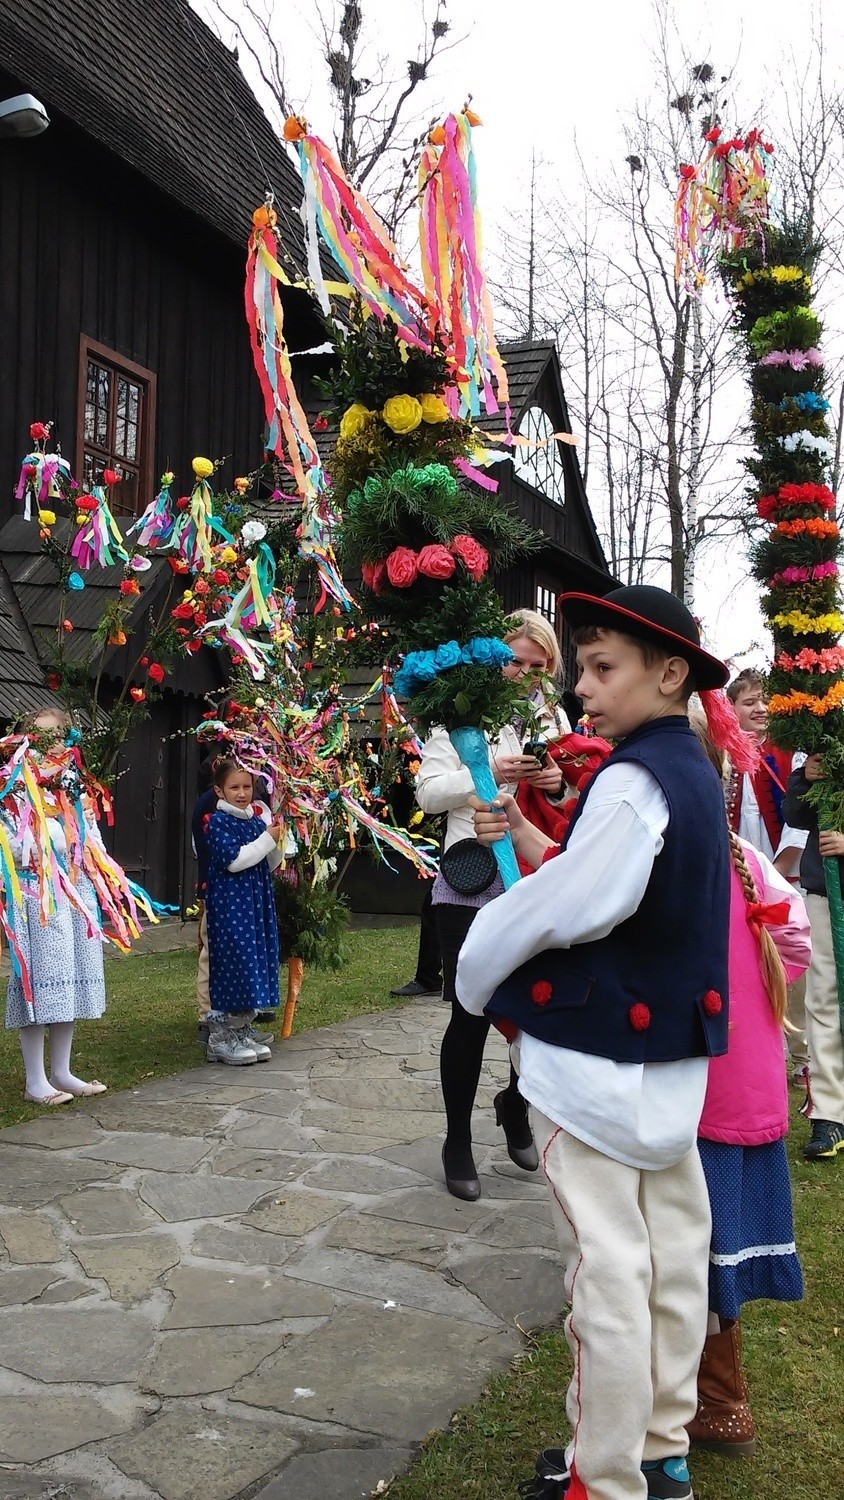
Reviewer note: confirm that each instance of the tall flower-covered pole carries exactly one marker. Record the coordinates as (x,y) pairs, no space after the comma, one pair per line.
(768,270)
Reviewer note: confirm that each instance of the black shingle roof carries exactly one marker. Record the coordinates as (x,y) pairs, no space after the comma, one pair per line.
(151,83)
(22,689)
(524,362)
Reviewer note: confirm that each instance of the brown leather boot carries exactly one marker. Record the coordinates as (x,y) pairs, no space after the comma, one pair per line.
(723,1423)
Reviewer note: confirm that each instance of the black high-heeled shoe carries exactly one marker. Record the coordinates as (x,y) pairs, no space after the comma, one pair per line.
(466,1185)
(511,1114)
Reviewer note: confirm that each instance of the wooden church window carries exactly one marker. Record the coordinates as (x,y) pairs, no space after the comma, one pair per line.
(116,426)
(540,464)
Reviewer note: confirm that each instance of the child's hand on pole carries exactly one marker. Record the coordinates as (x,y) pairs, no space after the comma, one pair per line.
(813,768)
(494,819)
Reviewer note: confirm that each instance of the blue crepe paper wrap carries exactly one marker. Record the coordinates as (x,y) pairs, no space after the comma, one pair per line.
(471,745)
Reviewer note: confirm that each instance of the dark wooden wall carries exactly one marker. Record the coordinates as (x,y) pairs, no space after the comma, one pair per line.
(86,246)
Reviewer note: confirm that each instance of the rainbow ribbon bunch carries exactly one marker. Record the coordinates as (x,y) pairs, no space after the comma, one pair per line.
(98,539)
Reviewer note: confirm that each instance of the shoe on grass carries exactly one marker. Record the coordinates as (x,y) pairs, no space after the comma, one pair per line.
(553,1486)
(202,1030)
(825,1142)
(225,1045)
(668,1478)
(416,991)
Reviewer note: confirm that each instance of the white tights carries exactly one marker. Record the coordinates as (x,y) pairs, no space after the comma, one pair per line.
(32,1047)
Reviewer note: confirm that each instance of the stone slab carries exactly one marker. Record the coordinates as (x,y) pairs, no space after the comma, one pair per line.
(425,1247)
(23,1284)
(42,1424)
(66,1290)
(164,1153)
(198,1196)
(29,1239)
(392,1125)
(189,1453)
(205,1298)
(132,1265)
(54,1132)
(329,1144)
(130,1112)
(500,1186)
(519,1231)
(388,1281)
(233,1242)
(352,1176)
(102,1345)
(435,1208)
(295,1214)
(390,1043)
(29,1179)
(268,1134)
(403,1093)
(370,1065)
(197,1364)
(18,1484)
(519,1287)
(391,1356)
(104,1211)
(337,1474)
(424,1157)
(282,1103)
(272,1166)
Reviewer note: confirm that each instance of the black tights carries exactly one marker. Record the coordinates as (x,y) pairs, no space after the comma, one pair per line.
(462,1053)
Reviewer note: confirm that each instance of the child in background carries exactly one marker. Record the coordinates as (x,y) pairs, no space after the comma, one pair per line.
(243,953)
(823,1023)
(741,1136)
(65,964)
(610,966)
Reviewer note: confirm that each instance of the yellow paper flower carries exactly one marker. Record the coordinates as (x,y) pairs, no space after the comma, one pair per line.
(434,409)
(228,555)
(241,485)
(81,517)
(802,624)
(167,477)
(402,414)
(202,468)
(354,420)
(47,517)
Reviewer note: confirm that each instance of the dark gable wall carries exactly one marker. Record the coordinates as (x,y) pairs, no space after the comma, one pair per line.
(87,247)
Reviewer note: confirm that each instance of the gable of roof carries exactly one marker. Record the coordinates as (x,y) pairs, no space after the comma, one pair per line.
(22,687)
(149,81)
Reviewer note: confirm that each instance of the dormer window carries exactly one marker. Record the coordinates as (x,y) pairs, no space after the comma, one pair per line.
(540,466)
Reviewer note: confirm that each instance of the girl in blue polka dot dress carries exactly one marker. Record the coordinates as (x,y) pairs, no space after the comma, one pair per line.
(243,954)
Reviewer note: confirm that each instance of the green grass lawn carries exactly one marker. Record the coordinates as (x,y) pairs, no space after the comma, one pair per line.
(149,1028)
(794,1355)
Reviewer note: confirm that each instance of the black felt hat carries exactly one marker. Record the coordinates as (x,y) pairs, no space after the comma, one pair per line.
(649,614)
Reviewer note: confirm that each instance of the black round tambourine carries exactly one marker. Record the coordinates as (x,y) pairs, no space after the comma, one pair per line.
(469,867)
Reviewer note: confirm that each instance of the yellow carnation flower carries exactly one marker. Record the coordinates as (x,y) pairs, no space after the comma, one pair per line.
(402,414)
(228,555)
(354,420)
(434,409)
(47,517)
(202,468)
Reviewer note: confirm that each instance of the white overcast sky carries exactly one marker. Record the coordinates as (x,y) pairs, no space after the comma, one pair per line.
(560,79)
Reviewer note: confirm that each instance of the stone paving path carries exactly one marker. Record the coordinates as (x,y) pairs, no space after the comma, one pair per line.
(252,1282)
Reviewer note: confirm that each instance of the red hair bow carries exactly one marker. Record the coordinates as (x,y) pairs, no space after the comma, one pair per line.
(766,914)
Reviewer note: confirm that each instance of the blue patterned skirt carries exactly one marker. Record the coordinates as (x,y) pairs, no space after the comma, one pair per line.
(752,1253)
(66,965)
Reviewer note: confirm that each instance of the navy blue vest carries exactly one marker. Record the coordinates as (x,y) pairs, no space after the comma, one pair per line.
(654,989)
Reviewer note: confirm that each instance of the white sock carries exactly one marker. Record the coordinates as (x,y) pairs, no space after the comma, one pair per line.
(61,1041)
(32,1047)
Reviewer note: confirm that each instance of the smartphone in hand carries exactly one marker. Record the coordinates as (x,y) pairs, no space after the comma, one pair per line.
(537,748)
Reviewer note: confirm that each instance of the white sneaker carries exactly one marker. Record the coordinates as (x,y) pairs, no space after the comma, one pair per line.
(225,1045)
(252,1038)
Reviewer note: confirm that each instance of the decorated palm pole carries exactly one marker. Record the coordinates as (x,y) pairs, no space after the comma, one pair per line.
(768,270)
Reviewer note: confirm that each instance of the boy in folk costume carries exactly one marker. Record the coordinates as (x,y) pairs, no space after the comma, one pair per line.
(610,964)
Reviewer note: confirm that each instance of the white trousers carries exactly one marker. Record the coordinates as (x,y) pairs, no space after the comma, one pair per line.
(823,1026)
(636,1251)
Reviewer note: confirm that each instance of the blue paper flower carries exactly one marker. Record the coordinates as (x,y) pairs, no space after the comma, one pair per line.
(487,651)
(447,655)
(76,581)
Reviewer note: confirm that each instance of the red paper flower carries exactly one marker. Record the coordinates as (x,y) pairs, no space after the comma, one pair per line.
(183,502)
(129,586)
(373,575)
(86,502)
(402,567)
(137,695)
(67,627)
(639,1016)
(541,991)
(54,681)
(183,611)
(473,556)
(178,565)
(712,1003)
(111,476)
(144,661)
(687,172)
(156,672)
(713,134)
(435,561)
(202,586)
(39,432)
(220,576)
(193,647)
(321,423)
(30,470)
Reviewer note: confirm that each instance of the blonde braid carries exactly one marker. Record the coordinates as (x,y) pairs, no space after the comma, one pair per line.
(773,972)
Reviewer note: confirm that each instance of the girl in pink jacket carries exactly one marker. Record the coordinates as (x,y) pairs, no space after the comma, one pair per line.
(741,1139)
